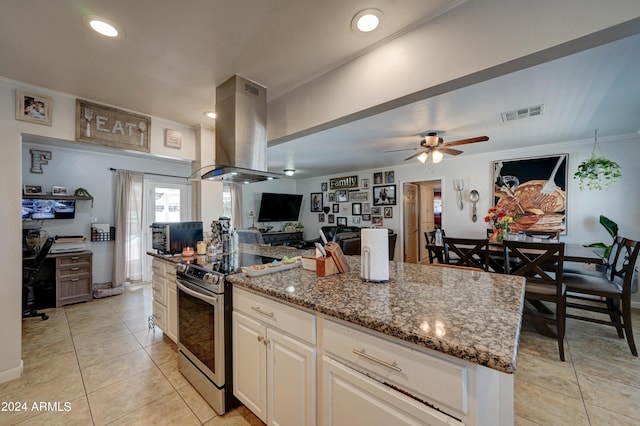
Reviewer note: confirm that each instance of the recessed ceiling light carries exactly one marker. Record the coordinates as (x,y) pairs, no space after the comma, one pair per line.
(366,20)
(289,172)
(210,114)
(103,26)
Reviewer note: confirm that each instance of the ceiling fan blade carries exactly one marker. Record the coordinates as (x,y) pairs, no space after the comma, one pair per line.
(404,149)
(465,141)
(449,151)
(416,154)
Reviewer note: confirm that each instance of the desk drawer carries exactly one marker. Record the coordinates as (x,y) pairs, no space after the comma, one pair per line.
(73,260)
(73,290)
(74,270)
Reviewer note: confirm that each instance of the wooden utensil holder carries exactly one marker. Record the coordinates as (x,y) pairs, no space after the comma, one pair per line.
(325,266)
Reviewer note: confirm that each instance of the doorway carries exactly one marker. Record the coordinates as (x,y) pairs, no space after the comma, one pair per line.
(422,205)
(165,201)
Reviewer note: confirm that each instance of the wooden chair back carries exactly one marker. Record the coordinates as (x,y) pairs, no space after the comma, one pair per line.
(470,252)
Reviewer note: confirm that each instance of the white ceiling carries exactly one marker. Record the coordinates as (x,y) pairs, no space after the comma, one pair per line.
(174,53)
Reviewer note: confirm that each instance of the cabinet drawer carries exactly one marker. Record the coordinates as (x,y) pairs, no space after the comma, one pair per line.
(157,267)
(292,321)
(159,290)
(73,290)
(170,271)
(74,270)
(442,383)
(159,315)
(72,260)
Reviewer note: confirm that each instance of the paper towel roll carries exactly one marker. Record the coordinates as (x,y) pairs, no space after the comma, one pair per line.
(375,255)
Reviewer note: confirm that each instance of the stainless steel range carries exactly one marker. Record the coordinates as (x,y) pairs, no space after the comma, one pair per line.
(204,321)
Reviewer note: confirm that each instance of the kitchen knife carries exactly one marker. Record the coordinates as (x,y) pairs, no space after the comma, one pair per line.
(323,237)
(322,250)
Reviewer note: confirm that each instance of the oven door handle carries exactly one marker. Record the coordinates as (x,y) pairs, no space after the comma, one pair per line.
(208,299)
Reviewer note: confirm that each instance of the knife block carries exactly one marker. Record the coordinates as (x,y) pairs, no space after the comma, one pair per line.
(326,266)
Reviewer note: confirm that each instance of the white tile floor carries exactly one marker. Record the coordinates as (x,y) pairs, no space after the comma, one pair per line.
(100,358)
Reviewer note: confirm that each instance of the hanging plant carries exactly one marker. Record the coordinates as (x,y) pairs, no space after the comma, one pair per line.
(597,173)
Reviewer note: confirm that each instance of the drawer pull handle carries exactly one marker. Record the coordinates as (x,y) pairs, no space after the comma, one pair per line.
(75,269)
(363,354)
(75,258)
(260,311)
(74,279)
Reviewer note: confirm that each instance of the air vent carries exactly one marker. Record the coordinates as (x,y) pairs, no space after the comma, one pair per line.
(521,113)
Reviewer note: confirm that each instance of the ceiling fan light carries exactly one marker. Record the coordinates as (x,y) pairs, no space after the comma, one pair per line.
(289,172)
(423,157)
(437,157)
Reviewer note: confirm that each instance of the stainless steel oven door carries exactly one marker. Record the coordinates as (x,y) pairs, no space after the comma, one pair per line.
(201,330)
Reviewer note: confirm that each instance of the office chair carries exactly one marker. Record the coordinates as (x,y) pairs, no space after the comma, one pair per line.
(29,277)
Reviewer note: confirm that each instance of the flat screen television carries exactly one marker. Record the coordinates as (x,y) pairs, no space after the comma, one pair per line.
(38,209)
(279,207)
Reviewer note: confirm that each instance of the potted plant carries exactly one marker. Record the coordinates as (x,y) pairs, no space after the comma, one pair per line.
(612,229)
(299,227)
(597,173)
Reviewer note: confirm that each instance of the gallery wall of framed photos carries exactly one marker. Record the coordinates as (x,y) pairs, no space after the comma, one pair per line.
(359,200)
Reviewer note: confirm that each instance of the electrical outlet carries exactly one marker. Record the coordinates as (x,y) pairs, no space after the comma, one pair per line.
(251,213)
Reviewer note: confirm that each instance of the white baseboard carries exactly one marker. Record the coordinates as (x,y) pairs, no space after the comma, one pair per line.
(12,373)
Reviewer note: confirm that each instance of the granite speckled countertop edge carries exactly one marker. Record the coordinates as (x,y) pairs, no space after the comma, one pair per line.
(496,353)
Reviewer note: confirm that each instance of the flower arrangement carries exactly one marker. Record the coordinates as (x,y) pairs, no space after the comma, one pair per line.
(500,219)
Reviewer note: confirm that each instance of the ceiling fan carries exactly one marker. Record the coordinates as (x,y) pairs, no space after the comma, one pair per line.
(432,143)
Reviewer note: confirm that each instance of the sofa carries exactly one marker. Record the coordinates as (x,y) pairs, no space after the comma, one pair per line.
(348,238)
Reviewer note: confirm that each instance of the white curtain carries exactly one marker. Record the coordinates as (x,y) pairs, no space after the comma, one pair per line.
(236,206)
(127,258)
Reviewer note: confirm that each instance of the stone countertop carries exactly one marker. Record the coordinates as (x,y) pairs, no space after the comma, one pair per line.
(474,316)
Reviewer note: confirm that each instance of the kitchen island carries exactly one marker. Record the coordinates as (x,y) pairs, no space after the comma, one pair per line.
(445,337)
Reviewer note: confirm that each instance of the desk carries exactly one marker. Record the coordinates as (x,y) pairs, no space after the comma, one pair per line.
(71,275)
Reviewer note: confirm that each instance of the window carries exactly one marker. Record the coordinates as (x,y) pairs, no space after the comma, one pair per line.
(226,200)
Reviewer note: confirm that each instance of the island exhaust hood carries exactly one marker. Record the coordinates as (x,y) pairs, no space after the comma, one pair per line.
(241,133)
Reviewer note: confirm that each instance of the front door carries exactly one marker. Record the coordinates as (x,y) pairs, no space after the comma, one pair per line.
(410,208)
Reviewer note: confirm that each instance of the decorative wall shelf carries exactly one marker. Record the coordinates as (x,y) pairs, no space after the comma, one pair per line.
(55,196)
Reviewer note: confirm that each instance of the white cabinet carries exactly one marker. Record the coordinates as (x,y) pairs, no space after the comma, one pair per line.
(274,360)
(165,297)
(351,398)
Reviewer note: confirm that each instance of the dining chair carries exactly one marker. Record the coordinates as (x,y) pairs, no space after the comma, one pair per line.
(471,252)
(543,284)
(434,251)
(608,294)
(578,268)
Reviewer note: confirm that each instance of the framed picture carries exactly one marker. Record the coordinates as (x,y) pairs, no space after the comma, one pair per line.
(364,183)
(389,177)
(384,195)
(33,189)
(173,139)
(342,196)
(336,208)
(518,182)
(331,218)
(342,221)
(331,197)
(376,220)
(377,178)
(59,190)
(316,201)
(320,217)
(366,217)
(366,208)
(33,108)
(323,186)
(356,220)
(376,211)
(388,212)
(358,195)
(356,209)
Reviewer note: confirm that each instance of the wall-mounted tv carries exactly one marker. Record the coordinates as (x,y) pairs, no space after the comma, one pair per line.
(279,207)
(38,209)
